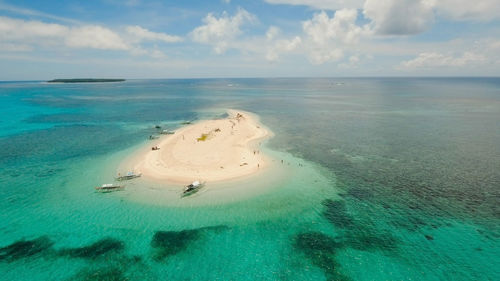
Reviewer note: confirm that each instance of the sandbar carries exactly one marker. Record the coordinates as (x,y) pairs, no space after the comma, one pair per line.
(208,151)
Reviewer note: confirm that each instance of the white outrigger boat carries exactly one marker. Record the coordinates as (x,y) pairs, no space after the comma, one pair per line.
(128,176)
(192,188)
(109,187)
(167,132)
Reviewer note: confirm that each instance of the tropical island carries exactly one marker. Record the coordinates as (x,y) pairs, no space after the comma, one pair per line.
(210,150)
(84,80)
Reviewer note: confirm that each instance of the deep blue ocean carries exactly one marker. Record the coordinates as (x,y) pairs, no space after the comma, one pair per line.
(399,180)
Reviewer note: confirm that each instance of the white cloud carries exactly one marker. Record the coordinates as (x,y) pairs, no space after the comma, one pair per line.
(23,35)
(407,17)
(157,54)
(481,10)
(327,36)
(153,53)
(15,31)
(20,30)
(342,27)
(138,51)
(320,56)
(353,62)
(220,32)
(94,36)
(399,17)
(322,4)
(494,44)
(432,60)
(141,34)
(279,46)
(272,32)
(282,46)
(10,47)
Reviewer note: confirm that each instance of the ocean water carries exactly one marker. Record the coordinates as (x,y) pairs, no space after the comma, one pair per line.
(385,179)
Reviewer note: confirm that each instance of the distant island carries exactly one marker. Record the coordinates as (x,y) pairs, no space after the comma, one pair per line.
(84,80)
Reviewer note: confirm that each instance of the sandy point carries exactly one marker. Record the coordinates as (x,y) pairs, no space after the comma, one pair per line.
(209,151)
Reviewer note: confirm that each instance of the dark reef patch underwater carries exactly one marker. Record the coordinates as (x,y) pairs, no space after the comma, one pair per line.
(100,274)
(168,243)
(320,249)
(25,248)
(95,250)
(336,213)
(360,235)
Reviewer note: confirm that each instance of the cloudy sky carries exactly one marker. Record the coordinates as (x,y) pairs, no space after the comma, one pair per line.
(256,38)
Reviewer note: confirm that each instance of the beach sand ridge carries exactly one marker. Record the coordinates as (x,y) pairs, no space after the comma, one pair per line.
(210,151)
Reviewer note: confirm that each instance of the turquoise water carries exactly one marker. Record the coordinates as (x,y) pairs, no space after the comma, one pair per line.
(398,180)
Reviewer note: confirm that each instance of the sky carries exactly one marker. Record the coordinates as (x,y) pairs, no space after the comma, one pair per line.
(258,38)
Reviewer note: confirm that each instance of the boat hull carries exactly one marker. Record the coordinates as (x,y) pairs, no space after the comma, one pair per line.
(106,189)
(129,177)
(192,189)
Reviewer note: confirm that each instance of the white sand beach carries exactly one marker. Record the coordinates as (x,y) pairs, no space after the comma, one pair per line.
(208,151)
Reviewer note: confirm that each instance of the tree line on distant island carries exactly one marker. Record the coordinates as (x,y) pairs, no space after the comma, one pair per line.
(84,80)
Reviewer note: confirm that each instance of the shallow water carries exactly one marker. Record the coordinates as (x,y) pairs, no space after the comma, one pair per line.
(398,180)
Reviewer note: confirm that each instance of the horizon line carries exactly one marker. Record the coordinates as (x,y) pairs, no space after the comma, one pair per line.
(256,77)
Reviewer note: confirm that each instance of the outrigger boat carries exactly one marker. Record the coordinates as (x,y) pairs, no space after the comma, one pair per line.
(109,187)
(192,188)
(167,132)
(128,176)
